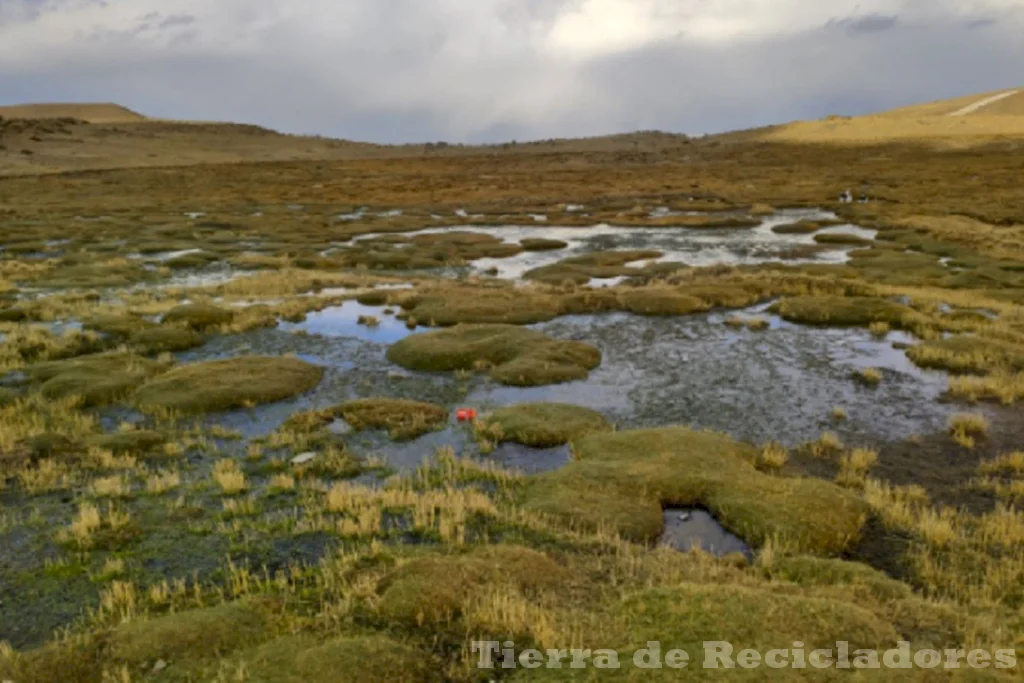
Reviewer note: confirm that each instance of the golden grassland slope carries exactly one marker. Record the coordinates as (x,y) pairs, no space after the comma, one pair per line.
(54,138)
(92,112)
(958,122)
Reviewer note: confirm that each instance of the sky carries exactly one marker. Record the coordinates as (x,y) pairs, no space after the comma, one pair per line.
(497,70)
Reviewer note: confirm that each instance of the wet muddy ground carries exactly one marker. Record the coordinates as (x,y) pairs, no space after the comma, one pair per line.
(782,383)
(692,246)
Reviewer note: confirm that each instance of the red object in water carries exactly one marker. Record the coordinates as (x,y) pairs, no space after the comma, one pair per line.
(465,414)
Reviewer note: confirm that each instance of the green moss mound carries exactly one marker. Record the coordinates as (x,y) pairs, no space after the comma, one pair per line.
(435,589)
(164,339)
(840,238)
(119,326)
(87,276)
(812,571)
(855,311)
(232,383)
(804,227)
(660,301)
(99,379)
(199,316)
(748,617)
(882,264)
(134,441)
(367,659)
(600,264)
(515,355)
(543,425)
(402,418)
(196,259)
(455,305)
(623,480)
(542,244)
(375,298)
(193,634)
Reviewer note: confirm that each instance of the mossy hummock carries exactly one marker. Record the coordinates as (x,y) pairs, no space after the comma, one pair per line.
(231,383)
(514,355)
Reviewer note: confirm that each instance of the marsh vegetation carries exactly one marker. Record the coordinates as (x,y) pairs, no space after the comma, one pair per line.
(229,447)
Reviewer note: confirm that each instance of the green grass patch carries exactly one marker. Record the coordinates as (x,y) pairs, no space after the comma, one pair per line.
(544,425)
(748,617)
(192,634)
(134,441)
(359,659)
(840,238)
(99,379)
(542,244)
(231,383)
(513,355)
(403,419)
(623,480)
(199,316)
(454,305)
(436,589)
(661,301)
(840,311)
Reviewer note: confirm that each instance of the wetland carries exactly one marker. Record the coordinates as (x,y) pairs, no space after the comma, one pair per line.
(234,441)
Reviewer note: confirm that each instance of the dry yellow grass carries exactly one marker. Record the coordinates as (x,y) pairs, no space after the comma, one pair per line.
(93,112)
(827,444)
(966,428)
(115,486)
(162,482)
(1008,464)
(772,457)
(930,122)
(229,477)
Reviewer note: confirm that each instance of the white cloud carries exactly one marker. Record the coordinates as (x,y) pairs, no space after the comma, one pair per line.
(476,69)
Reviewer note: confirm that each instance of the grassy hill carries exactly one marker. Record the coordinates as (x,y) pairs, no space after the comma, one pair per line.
(92,112)
(50,138)
(958,122)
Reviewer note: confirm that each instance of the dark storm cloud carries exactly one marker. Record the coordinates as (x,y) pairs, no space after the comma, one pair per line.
(492,70)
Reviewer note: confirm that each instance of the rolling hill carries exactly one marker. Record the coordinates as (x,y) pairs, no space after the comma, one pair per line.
(100,112)
(958,122)
(50,138)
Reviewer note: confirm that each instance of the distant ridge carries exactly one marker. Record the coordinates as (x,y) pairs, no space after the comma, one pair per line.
(93,112)
(958,122)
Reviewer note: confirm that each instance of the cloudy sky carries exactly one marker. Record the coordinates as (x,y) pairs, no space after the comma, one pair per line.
(492,70)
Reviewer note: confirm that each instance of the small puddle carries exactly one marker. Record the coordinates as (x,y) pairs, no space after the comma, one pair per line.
(690,528)
(343,321)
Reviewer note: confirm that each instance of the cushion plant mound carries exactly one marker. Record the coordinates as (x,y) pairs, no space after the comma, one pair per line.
(232,383)
(515,355)
(402,418)
(623,480)
(199,316)
(543,425)
(99,379)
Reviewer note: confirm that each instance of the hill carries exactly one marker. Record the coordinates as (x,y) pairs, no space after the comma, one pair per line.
(958,122)
(53,138)
(99,112)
